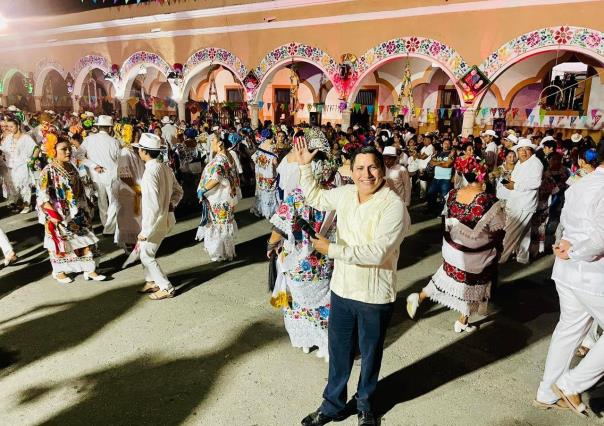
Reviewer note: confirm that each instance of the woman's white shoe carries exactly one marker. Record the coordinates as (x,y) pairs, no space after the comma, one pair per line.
(64,280)
(96,277)
(459,327)
(412,304)
(306,349)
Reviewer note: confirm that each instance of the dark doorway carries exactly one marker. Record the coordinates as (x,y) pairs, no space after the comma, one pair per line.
(448,99)
(363,118)
(281,107)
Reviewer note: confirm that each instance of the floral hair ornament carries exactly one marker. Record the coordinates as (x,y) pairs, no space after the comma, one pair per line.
(350,147)
(50,145)
(471,165)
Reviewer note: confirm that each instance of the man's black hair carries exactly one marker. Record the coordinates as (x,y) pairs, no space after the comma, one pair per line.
(369,150)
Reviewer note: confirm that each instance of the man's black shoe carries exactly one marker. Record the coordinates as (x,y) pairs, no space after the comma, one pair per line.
(366,418)
(319,419)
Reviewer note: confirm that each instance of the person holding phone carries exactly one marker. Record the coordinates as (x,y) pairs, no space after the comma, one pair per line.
(372,222)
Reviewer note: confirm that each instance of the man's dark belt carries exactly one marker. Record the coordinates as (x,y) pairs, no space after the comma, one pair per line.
(465,249)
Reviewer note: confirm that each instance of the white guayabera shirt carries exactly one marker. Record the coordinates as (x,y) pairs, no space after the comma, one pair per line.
(368,238)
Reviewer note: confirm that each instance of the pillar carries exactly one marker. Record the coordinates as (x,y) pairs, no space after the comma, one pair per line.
(254,110)
(467,128)
(182,109)
(5,101)
(75,104)
(38,103)
(124,105)
(346,120)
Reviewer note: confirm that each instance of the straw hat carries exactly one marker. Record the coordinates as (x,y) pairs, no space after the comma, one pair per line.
(489,133)
(389,151)
(104,120)
(512,139)
(524,143)
(165,120)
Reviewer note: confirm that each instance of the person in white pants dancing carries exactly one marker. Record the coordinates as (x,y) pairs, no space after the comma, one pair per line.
(579,276)
(7,249)
(161,193)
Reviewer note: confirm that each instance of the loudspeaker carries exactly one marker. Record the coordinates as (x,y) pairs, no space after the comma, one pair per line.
(314,118)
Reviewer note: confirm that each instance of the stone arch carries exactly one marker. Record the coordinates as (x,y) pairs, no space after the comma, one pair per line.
(205,58)
(42,69)
(285,54)
(83,66)
(449,60)
(8,75)
(129,70)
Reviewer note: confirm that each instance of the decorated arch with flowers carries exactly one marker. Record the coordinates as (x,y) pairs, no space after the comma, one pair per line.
(259,78)
(7,77)
(83,67)
(564,38)
(43,67)
(205,58)
(431,50)
(132,65)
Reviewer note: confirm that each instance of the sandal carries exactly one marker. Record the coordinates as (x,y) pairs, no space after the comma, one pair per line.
(162,294)
(558,405)
(582,351)
(579,409)
(10,260)
(149,287)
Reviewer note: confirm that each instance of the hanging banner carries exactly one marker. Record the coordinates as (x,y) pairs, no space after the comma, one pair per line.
(268,106)
(514,112)
(596,116)
(551,121)
(541,115)
(493,112)
(559,120)
(441,112)
(260,104)
(572,120)
(484,112)
(418,112)
(309,107)
(382,108)
(370,109)
(450,112)
(405,110)
(584,119)
(528,112)
(462,111)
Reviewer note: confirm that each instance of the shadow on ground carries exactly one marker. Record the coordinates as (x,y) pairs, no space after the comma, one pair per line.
(154,391)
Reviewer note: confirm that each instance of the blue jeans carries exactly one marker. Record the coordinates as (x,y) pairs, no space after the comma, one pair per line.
(351,321)
(438,186)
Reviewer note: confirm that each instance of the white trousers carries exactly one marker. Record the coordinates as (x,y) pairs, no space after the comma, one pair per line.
(517,235)
(153,272)
(5,245)
(107,204)
(592,336)
(578,311)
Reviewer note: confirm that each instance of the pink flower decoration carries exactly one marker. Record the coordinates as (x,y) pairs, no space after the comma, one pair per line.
(563,35)
(412,44)
(593,40)
(434,49)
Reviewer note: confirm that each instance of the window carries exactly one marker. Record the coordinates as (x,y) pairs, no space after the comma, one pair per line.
(234,95)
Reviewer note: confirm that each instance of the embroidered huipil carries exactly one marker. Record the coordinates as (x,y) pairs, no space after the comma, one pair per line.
(368,238)
(583,222)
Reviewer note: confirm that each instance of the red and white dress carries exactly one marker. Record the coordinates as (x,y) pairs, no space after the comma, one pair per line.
(472,235)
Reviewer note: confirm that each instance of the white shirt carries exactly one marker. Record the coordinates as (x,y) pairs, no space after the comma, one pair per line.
(102,150)
(289,176)
(426,150)
(490,154)
(17,153)
(583,222)
(527,180)
(168,133)
(398,178)
(369,236)
(160,190)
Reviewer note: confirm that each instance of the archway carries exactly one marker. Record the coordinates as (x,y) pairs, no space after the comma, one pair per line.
(96,93)
(293,71)
(138,64)
(550,77)
(54,95)
(16,86)
(84,67)
(44,67)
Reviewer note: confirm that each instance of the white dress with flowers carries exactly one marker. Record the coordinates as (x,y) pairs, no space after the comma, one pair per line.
(266,183)
(219,233)
(304,295)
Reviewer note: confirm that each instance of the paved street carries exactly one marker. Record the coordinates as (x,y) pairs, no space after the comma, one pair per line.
(217,354)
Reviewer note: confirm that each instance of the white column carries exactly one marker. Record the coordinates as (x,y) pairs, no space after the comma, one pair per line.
(467,128)
(75,104)
(124,105)
(38,103)
(5,101)
(182,108)
(345,120)
(254,110)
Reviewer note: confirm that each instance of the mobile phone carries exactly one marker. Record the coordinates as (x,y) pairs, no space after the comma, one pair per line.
(306,227)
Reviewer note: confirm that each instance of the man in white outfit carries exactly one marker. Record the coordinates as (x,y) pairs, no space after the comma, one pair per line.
(491,148)
(521,195)
(161,193)
(397,175)
(168,131)
(579,276)
(102,153)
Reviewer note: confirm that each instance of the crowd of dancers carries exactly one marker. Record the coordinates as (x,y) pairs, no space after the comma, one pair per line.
(337,201)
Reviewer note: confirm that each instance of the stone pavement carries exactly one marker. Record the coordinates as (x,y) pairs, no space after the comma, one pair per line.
(101,354)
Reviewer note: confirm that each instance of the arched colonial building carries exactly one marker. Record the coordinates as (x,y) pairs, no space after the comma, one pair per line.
(342,61)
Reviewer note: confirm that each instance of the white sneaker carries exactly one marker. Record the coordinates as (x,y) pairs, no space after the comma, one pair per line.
(459,327)
(97,277)
(26,209)
(412,304)
(306,349)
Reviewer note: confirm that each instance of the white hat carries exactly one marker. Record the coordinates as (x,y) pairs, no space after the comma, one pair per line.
(512,139)
(165,120)
(284,128)
(237,120)
(104,120)
(149,141)
(524,143)
(545,139)
(75,114)
(13,108)
(389,151)
(576,137)
(51,112)
(89,114)
(373,127)
(215,128)
(489,133)
(355,127)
